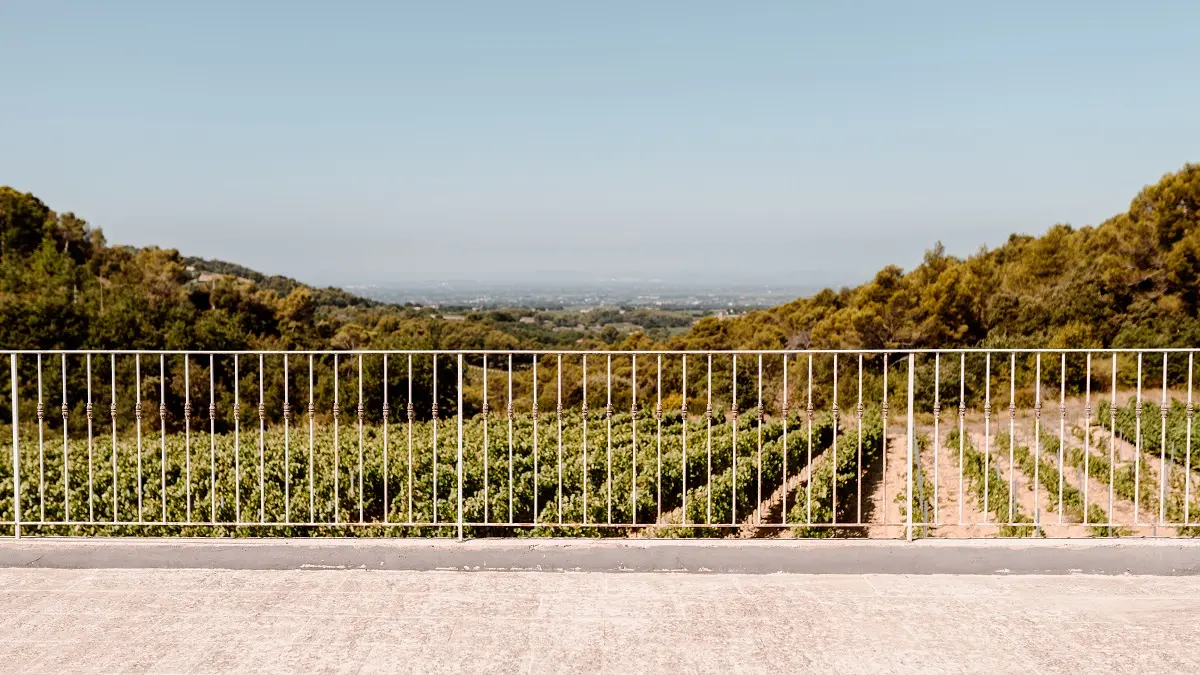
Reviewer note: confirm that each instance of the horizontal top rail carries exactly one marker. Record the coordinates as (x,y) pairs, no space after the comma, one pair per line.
(615,352)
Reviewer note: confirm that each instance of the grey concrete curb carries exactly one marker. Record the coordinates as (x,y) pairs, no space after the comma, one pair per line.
(1161,557)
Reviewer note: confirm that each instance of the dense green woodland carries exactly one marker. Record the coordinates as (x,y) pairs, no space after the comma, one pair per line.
(1130,280)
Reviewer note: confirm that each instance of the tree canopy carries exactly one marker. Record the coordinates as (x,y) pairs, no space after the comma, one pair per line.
(1129,281)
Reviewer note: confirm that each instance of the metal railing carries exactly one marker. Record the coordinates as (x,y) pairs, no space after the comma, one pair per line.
(637,443)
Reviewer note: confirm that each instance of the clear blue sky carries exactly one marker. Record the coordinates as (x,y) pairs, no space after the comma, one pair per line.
(385,141)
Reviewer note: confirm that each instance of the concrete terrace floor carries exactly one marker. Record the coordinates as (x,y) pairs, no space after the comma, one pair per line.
(372,621)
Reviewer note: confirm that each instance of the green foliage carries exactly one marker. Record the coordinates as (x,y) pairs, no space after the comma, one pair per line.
(1085,286)
(990,489)
(1123,482)
(1151,429)
(63,287)
(608,474)
(732,497)
(835,483)
(1052,481)
(1096,462)
(921,499)
(1133,482)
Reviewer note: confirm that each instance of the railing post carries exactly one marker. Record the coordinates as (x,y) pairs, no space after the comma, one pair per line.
(912,440)
(16,453)
(460,447)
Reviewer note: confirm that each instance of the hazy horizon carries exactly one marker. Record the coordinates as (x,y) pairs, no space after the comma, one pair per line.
(549,277)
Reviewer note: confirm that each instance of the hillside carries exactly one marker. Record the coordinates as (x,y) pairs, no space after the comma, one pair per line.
(324,297)
(63,286)
(1130,280)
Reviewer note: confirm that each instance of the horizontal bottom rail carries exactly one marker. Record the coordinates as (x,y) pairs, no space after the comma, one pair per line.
(148,523)
(399,523)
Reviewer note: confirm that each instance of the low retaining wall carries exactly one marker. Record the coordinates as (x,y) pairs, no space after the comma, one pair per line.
(1148,557)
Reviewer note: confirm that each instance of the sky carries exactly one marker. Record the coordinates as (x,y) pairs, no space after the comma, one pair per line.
(699,141)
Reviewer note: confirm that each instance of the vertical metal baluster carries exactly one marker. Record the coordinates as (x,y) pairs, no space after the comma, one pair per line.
(187,434)
(758,469)
(858,411)
(1163,476)
(608,418)
(460,446)
(41,417)
(487,464)
(733,414)
(1012,438)
(1062,430)
(911,442)
(536,467)
(387,420)
(633,431)
(337,439)
(411,412)
(312,478)
(16,447)
(137,414)
(212,439)
(585,441)
(937,430)
(162,431)
(962,418)
(808,467)
(434,421)
(708,415)
(262,445)
(785,412)
(1112,442)
(1037,439)
(1187,483)
(558,416)
(287,449)
(91,482)
(361,417)
(658,413)
(1137,439)
(1087,436)
(683,413)
(987,437)
(834,414)
(510,439)
(112,408)
(883,416)
(66,452)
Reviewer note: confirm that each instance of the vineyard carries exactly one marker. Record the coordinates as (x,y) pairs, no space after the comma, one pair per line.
(1161,483)
(642,444)
(593,476)
(989,488)
(624,474)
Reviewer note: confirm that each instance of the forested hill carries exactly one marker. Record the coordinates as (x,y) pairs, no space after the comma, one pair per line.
(62,286)
(334,297)
(1131,280)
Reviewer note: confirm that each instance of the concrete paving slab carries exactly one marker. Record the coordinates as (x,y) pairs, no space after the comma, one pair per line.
(55,620)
